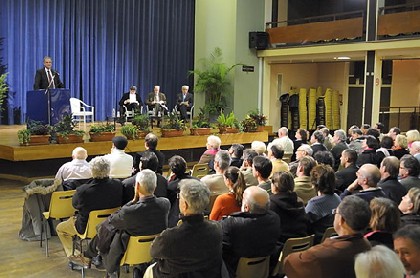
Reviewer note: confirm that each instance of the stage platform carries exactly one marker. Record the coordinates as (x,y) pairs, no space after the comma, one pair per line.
(27,162)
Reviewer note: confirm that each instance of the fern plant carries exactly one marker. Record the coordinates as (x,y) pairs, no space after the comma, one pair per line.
(230,120)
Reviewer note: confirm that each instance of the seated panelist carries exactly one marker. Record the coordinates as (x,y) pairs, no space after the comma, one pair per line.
(131,100)
(184,102)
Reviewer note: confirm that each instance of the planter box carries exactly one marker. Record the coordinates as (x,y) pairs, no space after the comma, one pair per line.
(70,138)
(228,130)
(172,132)
(142,133)
(200,131)
(101,136)
(39,140)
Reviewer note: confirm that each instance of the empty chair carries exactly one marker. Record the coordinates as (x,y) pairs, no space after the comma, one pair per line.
(60,207)
(81,110)
(292,245)
(200,170)
(253,267)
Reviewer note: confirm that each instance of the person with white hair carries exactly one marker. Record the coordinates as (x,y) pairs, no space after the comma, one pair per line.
(78,169)
(184,102)
(284,141)
(213,146)
(379,262)
(339,142)
(259,147)
(415,150)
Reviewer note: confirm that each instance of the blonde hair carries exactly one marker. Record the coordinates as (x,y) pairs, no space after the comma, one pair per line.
(412,135)
(401,140)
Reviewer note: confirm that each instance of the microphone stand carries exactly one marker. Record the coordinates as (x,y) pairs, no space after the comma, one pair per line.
(47,92)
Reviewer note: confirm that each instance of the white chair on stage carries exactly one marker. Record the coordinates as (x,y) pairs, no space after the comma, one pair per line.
(81,110)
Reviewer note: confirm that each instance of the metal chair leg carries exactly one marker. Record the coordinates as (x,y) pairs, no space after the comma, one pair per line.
(46,238)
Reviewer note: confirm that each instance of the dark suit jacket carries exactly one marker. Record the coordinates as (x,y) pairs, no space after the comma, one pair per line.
(41,79)
(151,98)
(128,190)
(159,154)
(127,96)
(95,195)
(188,98)
(345,177)
(392,189)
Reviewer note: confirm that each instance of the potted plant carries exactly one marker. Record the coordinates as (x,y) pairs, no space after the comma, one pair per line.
(259,118)
(173,125)
(101,132)
(228,124)
(200,126)
(129,131)
(249,124)
(3,89)
(212,80)
(36,133)
(65,132)
(142,123)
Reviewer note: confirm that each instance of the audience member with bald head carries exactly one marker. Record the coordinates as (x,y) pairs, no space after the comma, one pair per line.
(76,172)
(368,177)
(389,179)
(253,232)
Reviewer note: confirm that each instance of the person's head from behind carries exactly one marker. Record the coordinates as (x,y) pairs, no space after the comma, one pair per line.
(150,141)
(262,166)
(255,200)
(323,179)
(213,142)
(387,142)
(324,157)
(259,147)
(302,134)
(325,132)
(236,150)
(317,137)
(305,166)
(385,215)
(248,157)
(282,132)
(368,175)
(303,150)
(389,166)
(348,157)
(276,151)
(178,165)
(356,133)
(352,216)
(234,180)
(222,160)
(100,167)
(410,203)
(407,247)
(373,132)
(415,148)
(120,142)
(400,142)
(282,182)
(412,135)
(194,197)
(79,153)
(379,262)
(145,182)
(409,166)
(393,132)
(370,142)
(48,62)
(339,136)
(380,127)
(148,160)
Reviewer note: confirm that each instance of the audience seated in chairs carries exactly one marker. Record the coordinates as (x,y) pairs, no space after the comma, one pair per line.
(409,172)
(236,152)
(410,207)
(74,173)
(400,146)
(347,175)
(215,182)
(184,102)
(246,168)
(275,153)
(407,247)
(339,140)
(213,146)
(121,163)
(228,203)
(194,248)
(251,233)
(130,101)
(145,214)
(389,183)
(150,144)
(261,169)
(335,256)
(303,185)
(302,151)
(100,192)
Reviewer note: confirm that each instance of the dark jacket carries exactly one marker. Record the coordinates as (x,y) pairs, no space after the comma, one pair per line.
(248,235)
(410,182)
(410,218)
(126,96)
(235,161)
(380,238)
(345,177)
(317,148)
(41,79)
(193,249)
(392,189)
(400,152)
(161,189)
(366,195)
(160,156)
(293,218)
(336,153)
(188,98)
(95,195)
(368,156)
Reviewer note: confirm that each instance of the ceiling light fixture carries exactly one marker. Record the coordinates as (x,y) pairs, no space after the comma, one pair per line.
(342,58)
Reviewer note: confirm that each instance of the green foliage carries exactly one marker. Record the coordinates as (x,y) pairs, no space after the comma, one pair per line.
(3,89)
(66,126)
(227,121)
(38,128)
(201,120)
(259,118)
(212,80)
(142,122)
(102,128)
(172,121)
(24,136)
(130,131)
(249,124)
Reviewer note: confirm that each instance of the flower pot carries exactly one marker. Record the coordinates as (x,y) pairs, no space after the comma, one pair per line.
(228,130)
(39,140)
(250,129)
(101,136)
(200,131)
(172,132)
(260,128)
(70,138)
(142,133)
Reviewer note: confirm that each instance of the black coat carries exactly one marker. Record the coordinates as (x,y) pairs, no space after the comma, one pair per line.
(345,177)
(41,79)
(127,96)
(95,195)
(367,156)
(188,98)
(410,218)
(392,189)
(160,156)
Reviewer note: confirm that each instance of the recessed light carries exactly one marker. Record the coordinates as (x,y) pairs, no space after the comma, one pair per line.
(342,58)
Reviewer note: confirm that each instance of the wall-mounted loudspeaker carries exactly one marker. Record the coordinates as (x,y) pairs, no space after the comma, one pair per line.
(258,40)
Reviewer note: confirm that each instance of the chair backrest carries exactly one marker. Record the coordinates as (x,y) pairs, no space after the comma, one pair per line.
(253,267)
(74,105)
(200,170)
(213,198)
(95,218)
(329,232)
(292,245)
(61,204)
(138,250)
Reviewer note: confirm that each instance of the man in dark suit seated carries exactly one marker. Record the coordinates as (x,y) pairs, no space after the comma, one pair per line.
(130,101)
(47,78)
(157,100)
(346,176)
(184,102)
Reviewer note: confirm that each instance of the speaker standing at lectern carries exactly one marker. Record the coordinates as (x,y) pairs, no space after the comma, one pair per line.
(47,77)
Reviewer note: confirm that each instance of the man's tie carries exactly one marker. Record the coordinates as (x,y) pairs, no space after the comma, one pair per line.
(50,78)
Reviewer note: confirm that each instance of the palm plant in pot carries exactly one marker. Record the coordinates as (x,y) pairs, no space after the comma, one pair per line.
(200,125)
(65,131)
(142,123)
(101,132)
(227,124)
(173,125)
(36,133)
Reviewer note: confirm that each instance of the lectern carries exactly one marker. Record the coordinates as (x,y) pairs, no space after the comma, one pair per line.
(47,106)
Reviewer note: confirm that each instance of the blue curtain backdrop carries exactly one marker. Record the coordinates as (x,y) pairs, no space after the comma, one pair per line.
(99,47)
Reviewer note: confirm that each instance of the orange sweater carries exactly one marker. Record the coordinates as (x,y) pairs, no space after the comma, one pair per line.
(225,204)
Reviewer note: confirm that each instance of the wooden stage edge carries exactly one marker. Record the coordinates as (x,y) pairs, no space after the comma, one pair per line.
(54,151)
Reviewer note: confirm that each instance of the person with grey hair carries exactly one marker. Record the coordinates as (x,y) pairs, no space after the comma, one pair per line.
(335,256)
(368,177)
(100,192)
(409,172)
(303,186)
(379,262)
(46,77)
(184,102)
(407,247)
(259,147)
(145,214)
(339,142)
(251,233)
(415,150)
(246,168)
(215,182)
(74,173)
(284,141)
(389,179)
(193,248)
